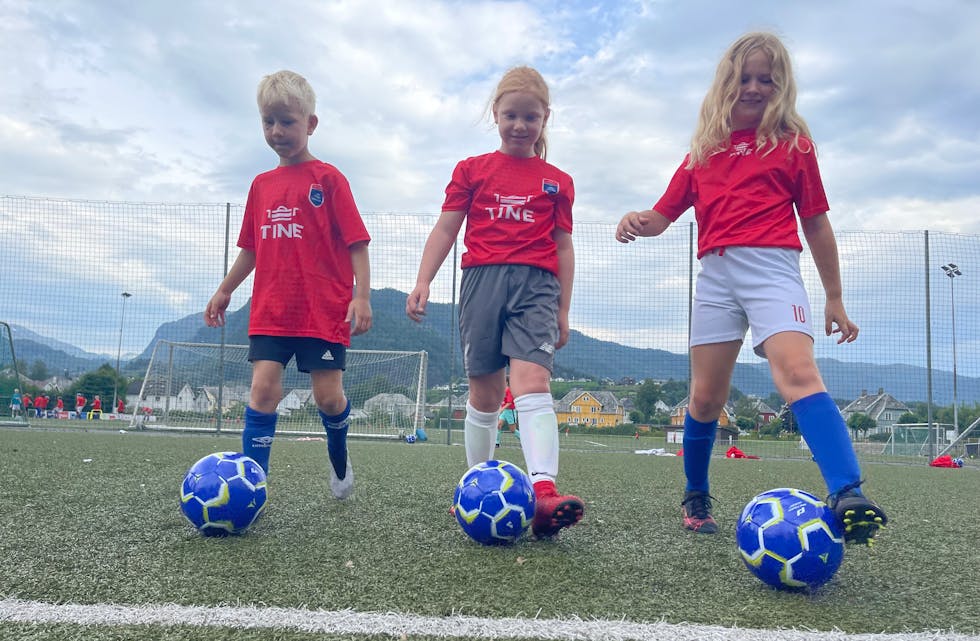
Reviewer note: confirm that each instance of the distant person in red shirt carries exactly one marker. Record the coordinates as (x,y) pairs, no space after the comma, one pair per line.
(516,288)
(59,406)
(303,236)
(80,402)
(120,407)
(41,406)
(96,407)
(28,403)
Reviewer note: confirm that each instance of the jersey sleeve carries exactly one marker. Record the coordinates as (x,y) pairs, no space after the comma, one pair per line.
(680,194)
(246,237)
(459,191)
(349,221)
(809,195)
(563,207)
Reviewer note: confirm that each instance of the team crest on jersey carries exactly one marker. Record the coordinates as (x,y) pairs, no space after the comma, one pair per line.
(741,149)
(316,195)
(549,186)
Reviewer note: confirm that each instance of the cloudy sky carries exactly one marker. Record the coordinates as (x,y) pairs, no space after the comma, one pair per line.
(154,101)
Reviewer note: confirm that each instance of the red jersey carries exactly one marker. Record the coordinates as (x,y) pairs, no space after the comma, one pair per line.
(508,403)
(97,405)
(80,401)
(744,198)
(60,405)
(301,221)
(512,206)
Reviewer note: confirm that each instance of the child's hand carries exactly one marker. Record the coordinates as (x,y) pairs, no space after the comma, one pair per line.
(214,313)
(360,316)
(837,322)
(563,331)
(415,304)
(631,226)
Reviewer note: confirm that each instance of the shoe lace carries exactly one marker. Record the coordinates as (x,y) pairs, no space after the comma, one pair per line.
(851,489)
(699,504)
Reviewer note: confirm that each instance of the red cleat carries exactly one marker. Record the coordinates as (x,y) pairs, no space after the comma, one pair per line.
(553,512)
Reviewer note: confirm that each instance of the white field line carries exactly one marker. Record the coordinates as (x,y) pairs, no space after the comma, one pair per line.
(404,625)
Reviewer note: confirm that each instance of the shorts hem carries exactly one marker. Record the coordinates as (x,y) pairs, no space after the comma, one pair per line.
(757,344)
(712,340)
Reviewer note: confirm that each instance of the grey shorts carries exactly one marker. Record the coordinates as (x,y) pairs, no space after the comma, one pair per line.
(311,353)
(505,312)
(743,287)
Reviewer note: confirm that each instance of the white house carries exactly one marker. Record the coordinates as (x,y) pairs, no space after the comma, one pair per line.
(390,403)
(883,408)
(294,400)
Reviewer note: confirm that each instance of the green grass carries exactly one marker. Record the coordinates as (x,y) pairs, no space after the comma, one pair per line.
(109,530)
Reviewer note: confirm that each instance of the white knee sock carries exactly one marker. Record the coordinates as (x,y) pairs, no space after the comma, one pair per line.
(478,435)
(539,435)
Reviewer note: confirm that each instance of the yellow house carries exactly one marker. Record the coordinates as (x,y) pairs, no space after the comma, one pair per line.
(596,409)
(726,419)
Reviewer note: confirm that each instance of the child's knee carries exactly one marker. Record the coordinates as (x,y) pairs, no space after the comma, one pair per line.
(705,408)
(796,375)
(332,404)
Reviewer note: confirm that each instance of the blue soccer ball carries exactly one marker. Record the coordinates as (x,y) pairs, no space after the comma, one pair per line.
(223,493)
(790,539)
(494,502)
(409,438)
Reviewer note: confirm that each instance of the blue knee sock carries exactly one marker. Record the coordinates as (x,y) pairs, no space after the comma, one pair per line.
(336,429)
(260,428)
(823,427)
(699,438)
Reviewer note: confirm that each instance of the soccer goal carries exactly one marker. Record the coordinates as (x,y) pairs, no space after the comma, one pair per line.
(205,387)
(11,414)
(908,440)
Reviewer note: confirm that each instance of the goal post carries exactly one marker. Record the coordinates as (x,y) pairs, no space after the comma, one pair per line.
(205,387)
(12,414)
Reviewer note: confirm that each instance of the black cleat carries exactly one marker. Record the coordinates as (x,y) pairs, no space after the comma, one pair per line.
(860,517)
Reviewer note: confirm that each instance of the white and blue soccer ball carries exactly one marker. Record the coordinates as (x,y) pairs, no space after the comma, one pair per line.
(494,502)
(790,539)
(223,493)
(410,438)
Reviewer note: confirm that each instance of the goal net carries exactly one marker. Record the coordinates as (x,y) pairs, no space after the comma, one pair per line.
(11,413)
(202,386)
(908,440)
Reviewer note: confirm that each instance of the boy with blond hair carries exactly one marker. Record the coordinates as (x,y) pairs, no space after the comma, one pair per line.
(303,236)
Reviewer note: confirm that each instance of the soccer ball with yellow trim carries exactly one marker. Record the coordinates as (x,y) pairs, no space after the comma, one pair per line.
(494,502)
(223,493)
(790,539)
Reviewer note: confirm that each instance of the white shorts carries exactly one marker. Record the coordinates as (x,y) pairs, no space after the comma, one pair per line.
(749,287)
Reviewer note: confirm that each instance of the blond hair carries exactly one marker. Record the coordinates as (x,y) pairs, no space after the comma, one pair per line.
(287,87)
(529,80)
(780,121)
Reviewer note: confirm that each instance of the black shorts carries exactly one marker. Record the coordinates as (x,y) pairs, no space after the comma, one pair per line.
(311,353)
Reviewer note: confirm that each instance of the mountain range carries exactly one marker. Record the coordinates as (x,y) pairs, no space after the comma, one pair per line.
(582,357)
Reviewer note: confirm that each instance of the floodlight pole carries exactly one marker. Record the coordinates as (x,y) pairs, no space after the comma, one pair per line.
(953,271)
(115,381)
